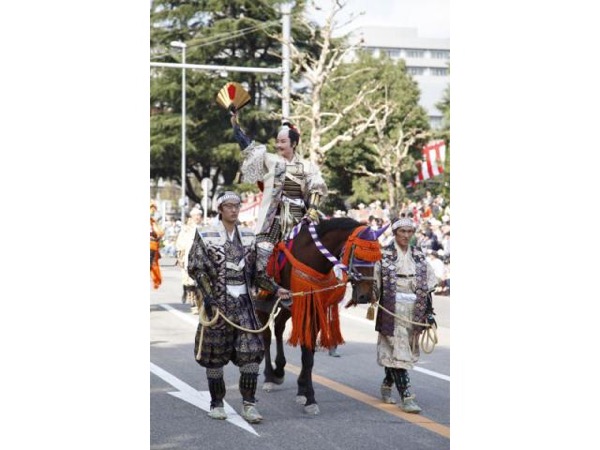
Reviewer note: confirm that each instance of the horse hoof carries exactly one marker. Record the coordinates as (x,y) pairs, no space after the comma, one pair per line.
(268,386)
(278,380)
(301,399)
(312,410)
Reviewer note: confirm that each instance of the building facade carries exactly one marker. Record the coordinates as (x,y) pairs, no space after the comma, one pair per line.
(427,60)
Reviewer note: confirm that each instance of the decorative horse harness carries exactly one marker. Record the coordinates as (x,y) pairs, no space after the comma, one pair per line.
(317,295)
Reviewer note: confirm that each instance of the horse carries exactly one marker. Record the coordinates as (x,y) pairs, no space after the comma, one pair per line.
(316,265)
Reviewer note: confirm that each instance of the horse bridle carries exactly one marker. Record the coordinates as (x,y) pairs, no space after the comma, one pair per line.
(355,276)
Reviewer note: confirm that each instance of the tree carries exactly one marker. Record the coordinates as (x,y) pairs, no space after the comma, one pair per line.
(384,154)
(361,115)
(216,32)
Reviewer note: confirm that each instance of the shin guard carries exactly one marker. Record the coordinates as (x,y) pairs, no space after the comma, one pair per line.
(216,386)
(402,381)
(389,377)
(248,381)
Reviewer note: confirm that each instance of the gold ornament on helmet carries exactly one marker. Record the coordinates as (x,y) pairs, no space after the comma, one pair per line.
(233,97)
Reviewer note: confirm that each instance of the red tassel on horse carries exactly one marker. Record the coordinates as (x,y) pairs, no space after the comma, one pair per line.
(318,307)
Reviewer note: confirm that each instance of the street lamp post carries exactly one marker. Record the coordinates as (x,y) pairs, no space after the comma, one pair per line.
(182,46)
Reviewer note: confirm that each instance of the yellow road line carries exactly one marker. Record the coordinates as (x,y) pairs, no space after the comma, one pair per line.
(417,419)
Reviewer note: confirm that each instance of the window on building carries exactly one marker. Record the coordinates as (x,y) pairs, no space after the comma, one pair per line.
(439,72)
(415,70)
(394,53)
(412,53)
(440,54)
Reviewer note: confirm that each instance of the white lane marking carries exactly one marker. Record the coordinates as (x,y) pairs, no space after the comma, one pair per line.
(441,376)
(200,399)
(183,316)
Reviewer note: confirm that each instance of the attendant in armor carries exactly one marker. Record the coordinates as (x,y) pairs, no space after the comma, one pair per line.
(406,282)
(222,262)
(156,234)
(184,241)
(293,189)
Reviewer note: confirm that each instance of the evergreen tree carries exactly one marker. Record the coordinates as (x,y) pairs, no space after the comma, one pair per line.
(219,33)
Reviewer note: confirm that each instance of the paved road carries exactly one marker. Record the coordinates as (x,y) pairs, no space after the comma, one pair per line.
(352,417)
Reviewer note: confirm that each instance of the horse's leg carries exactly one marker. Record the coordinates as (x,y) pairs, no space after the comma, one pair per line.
(266,335)
(305,386)
(302,382)
(280,361)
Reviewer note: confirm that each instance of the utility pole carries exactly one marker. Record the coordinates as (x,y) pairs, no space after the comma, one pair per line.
(182,46)
(286,9)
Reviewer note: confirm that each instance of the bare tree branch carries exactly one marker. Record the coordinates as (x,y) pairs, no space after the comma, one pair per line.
(320,72)
(362,170)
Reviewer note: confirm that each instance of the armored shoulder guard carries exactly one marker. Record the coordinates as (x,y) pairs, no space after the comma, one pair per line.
(212,235)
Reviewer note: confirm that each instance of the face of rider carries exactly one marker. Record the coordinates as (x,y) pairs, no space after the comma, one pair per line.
(284,145)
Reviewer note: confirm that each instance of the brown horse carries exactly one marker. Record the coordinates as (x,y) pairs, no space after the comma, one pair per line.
(316,266)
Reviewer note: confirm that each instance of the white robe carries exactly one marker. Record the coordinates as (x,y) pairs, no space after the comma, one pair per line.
(259,165)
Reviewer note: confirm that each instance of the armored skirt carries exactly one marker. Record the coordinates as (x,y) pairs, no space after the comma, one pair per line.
(398,351)
(222,342)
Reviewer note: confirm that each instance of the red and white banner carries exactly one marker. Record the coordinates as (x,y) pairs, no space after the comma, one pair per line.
(434,156)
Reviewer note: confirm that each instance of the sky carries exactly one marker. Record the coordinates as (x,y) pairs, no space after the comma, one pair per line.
(430,17)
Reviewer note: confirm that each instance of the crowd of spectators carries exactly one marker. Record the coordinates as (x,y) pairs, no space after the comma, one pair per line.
(431,215)
(432,218)
(172,228)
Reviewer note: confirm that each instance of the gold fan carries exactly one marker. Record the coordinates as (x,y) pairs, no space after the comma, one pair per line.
(233,96)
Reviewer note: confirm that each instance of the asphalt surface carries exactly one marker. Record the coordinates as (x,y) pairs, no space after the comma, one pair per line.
(346,388)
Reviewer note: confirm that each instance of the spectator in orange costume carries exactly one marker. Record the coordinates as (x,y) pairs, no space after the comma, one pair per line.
(156,233)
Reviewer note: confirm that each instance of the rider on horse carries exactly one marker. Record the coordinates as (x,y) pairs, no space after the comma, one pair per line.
(292,190)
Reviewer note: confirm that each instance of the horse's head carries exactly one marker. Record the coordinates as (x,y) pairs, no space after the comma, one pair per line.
(363,253)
